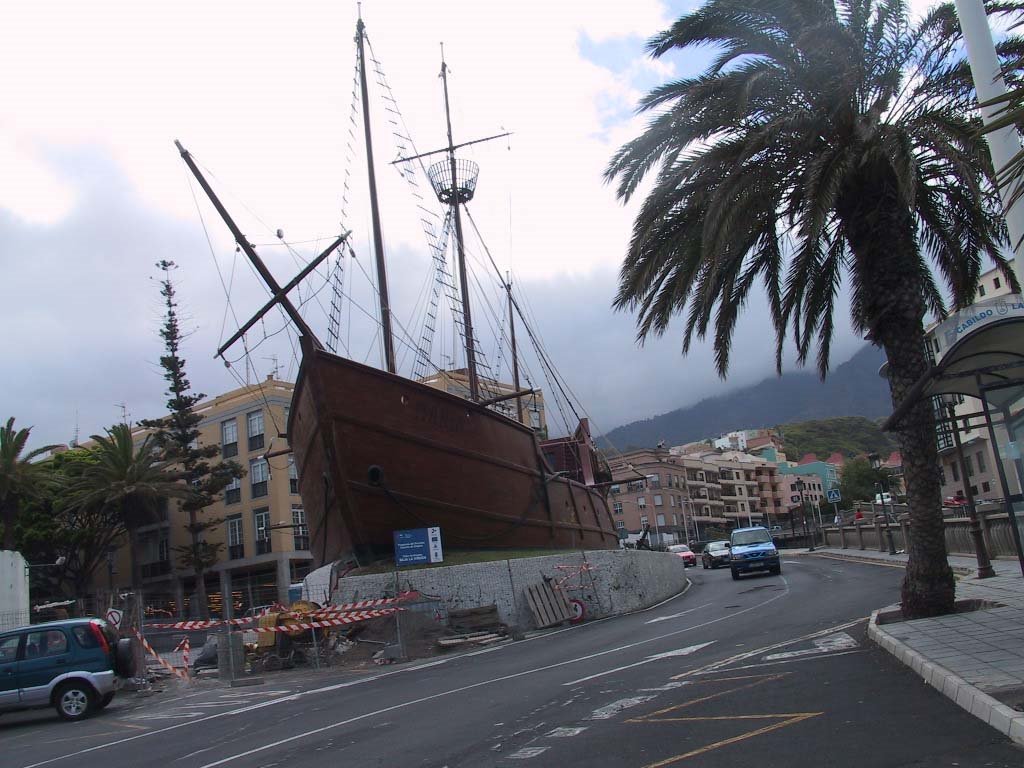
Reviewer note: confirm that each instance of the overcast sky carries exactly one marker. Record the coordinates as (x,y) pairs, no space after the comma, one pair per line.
(93,193)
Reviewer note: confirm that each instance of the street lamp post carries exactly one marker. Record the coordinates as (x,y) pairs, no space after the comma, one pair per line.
(803,514)
(883,488)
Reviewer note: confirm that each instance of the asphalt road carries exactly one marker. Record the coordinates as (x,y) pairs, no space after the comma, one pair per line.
(770,671)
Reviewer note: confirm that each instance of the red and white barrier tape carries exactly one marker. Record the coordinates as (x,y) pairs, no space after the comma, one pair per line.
(163,663)
(333,611)
(185,658)
(348,618)
(362,605)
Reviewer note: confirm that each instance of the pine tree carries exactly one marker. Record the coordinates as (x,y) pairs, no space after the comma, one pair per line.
(177,437)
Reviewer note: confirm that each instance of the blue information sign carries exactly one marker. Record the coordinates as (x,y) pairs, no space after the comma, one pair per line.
(835,496)
(418,545)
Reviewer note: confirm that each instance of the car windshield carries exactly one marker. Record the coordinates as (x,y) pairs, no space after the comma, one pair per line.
(743,538)
(717,546)
(679,548)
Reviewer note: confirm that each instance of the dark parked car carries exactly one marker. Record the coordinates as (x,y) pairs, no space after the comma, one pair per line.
(716,553)
(73,665)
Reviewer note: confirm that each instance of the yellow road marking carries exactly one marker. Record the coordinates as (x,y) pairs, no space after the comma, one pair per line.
(757,680)
(795,718)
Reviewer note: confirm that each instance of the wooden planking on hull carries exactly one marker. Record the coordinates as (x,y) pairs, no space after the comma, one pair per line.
(438,459)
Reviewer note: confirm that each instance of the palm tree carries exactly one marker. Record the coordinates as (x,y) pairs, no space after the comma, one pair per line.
(130,479)
(21,479)
(828,140)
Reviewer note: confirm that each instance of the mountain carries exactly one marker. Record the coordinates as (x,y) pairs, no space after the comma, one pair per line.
(851,389)
(849,435)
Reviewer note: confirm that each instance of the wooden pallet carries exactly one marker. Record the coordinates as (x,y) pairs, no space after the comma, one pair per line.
(549,606)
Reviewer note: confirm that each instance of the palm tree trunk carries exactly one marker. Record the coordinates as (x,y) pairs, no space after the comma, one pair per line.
(891,301)
(8,514)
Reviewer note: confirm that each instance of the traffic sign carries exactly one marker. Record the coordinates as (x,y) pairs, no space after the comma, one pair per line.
(114,616)
(795,498)
(834,496)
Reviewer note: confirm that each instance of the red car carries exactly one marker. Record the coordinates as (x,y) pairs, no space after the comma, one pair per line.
(683,551)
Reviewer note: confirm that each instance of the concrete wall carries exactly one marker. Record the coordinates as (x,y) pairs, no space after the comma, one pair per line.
(618,581)
(13,590)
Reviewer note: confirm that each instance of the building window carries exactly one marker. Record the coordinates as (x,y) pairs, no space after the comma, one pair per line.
(985,487)
(258,474)
(643,520)
(661,520)
(254,429)
(617,507)
(615,489)
(654,481)
(233,491)
(620,525)
(229,438)
(236,547)
(996,283)
(657,500)
(956,471)
(261,517)
(300,530)
(707,511)
(981,461)
(942,475)
(968,465)
(675,519)
(981,290)
(641,502)
(293,476)
(743,506)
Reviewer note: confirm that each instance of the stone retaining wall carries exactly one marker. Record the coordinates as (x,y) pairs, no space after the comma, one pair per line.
(618,581)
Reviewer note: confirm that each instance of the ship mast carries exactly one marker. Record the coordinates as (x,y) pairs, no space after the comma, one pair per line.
(378,240)
(515,355)
(467,322)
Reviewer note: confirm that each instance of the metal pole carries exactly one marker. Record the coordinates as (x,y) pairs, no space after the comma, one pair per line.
(981,554)
(1011,517)
(1003,144)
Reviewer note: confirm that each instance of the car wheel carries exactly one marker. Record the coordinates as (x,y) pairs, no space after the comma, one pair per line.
(104,700)
(74,700)
(704,564)
(735,574)
(777,570)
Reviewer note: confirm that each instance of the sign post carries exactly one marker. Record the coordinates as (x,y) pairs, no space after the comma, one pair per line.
(417,546)
(835,497)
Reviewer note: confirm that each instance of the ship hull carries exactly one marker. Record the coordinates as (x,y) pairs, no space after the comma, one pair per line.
(378,453)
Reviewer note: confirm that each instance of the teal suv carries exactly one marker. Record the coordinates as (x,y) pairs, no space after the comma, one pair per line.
(752,549)
(74,666)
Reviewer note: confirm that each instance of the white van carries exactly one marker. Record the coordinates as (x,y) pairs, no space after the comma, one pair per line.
(883,498)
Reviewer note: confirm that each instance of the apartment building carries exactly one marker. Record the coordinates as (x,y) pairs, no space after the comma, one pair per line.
(681,494)
(264,537)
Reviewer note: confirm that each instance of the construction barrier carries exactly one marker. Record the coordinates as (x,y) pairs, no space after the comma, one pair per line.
(348,618)
(160,660)
(329,612)
(185,657)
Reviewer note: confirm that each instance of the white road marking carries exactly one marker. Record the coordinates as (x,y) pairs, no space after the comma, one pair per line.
(669,654)
(676,615)
(793,661)
(608,711)
(365,680)
(527,752)
(717,665)
(667,686)
(828,644)
(564,733)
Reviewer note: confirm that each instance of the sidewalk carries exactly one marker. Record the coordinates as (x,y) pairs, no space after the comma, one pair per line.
(975,658)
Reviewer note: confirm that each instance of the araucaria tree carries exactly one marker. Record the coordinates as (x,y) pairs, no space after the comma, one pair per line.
(828,141)
(177,437)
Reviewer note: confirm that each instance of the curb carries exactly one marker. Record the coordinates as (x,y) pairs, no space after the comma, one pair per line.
(960,570)
(989,710)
